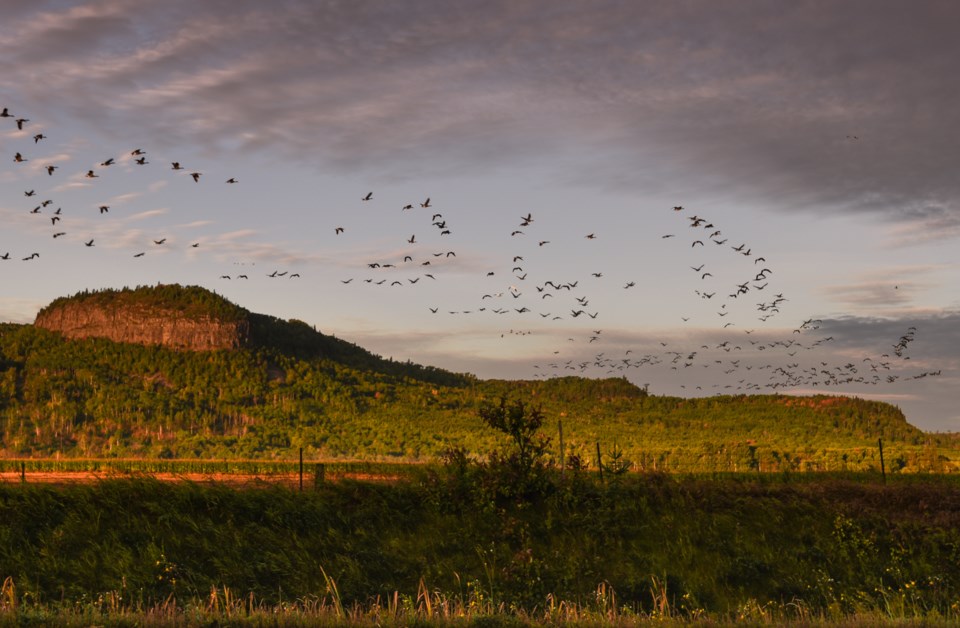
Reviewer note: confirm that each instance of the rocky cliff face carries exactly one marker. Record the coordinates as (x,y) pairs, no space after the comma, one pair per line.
(145,325)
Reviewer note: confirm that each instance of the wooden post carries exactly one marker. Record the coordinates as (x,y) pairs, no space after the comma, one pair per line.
(883,469)
(301,469)
(599,461)
(23,471)
(560,428)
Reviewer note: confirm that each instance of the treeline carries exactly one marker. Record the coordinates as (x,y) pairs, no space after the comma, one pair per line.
(299,389)
(187,301)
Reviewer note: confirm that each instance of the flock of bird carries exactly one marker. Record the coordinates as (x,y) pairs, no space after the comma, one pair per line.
(57,215)
(761,358)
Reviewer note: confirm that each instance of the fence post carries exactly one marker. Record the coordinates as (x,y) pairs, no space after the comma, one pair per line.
(883,469)
(599,461)
(560,428)
(23,471)
(301,469)
(318,474)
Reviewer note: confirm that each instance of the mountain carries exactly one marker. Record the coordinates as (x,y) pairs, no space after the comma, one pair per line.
(175,371)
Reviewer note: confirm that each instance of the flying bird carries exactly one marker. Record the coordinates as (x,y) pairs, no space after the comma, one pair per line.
(50,169)
(176,166)
(367,197)
(91,175)
(231,180)
(196,176)
(426,203)
(90,243)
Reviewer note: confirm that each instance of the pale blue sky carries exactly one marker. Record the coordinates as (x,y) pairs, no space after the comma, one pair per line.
(819,135)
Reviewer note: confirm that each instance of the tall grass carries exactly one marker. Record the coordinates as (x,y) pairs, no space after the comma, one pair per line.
(469,547)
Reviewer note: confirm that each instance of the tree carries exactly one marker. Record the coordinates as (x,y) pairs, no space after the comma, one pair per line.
(522,424)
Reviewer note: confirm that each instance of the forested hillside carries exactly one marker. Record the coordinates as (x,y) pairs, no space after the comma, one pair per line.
(295,387)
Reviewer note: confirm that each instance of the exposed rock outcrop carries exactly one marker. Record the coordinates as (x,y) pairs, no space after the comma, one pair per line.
(130,317)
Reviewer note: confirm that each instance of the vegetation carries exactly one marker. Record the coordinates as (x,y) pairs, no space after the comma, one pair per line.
(460,541)
(172,299)
(299,388)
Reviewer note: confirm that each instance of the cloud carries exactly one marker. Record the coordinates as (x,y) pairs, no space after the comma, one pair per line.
(150,213)
(22,311)
(756,100)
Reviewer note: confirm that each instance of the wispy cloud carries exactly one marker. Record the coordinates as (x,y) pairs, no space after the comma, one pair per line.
(769,113)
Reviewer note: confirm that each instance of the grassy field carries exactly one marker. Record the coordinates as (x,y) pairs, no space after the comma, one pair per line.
(477,545)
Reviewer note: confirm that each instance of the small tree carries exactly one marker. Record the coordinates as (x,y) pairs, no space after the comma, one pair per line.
(522,424)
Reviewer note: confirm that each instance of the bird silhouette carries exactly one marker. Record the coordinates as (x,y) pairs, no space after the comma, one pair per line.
(50,169)
(426,203)
(30,193)
(108,162)
(367,197)
(38,137)
(196,176)
(232,180)
(5,113)
(18,158)
(160,241)
(90,243)
(176,166)
(91,174)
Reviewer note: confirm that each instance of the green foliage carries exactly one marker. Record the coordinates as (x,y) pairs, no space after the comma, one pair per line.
(522,424)
(728,547)
(192,302)
(296,387)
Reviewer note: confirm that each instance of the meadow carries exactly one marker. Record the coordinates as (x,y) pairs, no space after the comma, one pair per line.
(461,543)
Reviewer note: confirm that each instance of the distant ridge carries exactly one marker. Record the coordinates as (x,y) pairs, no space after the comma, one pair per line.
(192,318)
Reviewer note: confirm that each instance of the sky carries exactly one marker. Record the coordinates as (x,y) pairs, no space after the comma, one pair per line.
(746,197)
